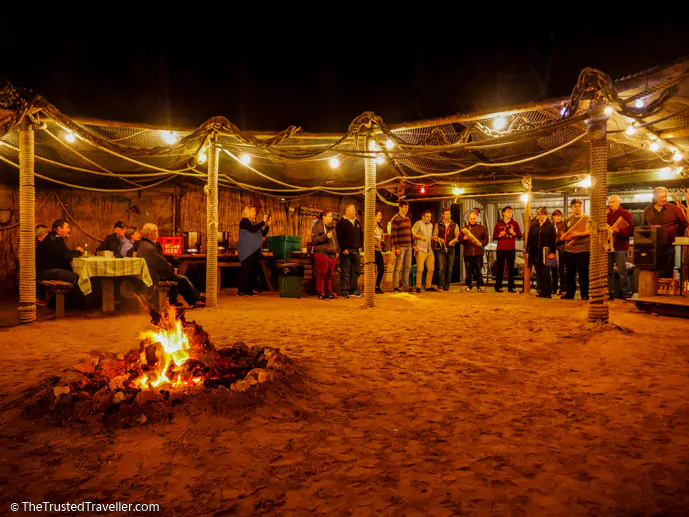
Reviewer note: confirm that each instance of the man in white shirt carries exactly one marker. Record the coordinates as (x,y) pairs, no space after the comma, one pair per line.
(422,232)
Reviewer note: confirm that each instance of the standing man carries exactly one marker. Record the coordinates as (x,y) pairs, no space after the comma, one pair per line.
(423,236)
(542,235)
(113,242)
(400,235)
(350,237)
(473,253)
(506,232)
(620,243)
(558,273)
(577,251)
(445,236)
(672,222)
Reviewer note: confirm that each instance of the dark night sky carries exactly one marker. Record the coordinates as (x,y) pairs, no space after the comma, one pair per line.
(160,78)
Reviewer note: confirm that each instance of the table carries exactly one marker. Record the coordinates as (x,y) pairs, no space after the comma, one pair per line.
(109,268)
(185,259)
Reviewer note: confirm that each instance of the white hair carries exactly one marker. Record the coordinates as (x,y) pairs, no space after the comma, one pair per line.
(660,190)
(148,229)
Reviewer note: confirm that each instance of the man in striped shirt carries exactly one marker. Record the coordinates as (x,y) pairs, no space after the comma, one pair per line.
(400,234)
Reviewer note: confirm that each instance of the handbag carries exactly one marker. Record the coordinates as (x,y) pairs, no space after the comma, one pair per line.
(547,261)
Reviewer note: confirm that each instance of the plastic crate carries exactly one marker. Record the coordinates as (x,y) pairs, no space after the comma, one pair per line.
(171,245)
(283,245)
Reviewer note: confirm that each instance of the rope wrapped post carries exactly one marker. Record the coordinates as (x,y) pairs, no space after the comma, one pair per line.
(213,154)
(27,224)
(598,268)
(526,182)
(369,229)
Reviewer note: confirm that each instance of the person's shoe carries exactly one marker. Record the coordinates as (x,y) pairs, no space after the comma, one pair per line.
(610,297)
(418,290)
(467,289)
(411,290)
(379,290)
(561,292)
(330,296)
(541,295)
(323,297)
(431,289)
(481,290)
(356,294)
(198,305)
(395,289)
(513,290)
(344,295)
(498,290)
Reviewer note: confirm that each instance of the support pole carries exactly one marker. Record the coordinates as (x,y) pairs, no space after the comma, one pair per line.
(369,230)
(27,224)
(212,224)
(598,268)
(526,181)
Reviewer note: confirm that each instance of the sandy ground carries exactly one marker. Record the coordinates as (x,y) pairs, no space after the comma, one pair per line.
(434,404)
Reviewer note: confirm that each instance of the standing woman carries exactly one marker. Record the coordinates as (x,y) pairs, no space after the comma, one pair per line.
(325,252)
(249,249)
(558,273)
(506,232)
(542,235)
(380,264)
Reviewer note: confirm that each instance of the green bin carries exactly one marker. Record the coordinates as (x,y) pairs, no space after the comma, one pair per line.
(290,280)
(283,245)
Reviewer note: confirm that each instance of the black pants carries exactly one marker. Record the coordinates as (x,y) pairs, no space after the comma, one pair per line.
(350,270)
(577,262)
(250,270)
(503,256)
(558,274)
(543,273)
(666,261)
(380,267)
(472,267)
(75,299)
(184,287)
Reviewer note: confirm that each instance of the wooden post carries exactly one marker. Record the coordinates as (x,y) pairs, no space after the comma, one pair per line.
(648,283)
(369,229)
(212,272)
(108,287)
(27,224)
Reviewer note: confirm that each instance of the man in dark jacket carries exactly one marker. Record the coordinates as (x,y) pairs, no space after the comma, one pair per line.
(473,253)
(54,259)
(113,242)
(620,242)
(350,238)
(542,235)
(161,270)
(672,223)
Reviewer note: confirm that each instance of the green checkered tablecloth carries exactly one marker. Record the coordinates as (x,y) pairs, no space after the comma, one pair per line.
(103,266)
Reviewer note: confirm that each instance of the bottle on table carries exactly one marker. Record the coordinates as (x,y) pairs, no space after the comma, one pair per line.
(86,249)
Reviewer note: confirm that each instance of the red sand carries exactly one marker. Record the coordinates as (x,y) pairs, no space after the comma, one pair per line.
(528,414)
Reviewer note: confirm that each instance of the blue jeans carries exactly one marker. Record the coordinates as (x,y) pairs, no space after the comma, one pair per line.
(446,262)
(350,269)
(619,258)
(402,261)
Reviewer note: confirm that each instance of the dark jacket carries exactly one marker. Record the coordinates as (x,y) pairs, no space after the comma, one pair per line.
(111,243)
(560,229)
(539,238)
(349,236)
(52,253)
(670,218)
(507,241)
(471,249)
(621,238)
(158,266)
(321,243)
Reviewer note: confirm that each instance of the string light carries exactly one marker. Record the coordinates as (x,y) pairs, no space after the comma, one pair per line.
(499,123)
(655,147)
(679,170)
(372,145)
(586,182)
(202,156)
(380,160)
(389,144)
(458,191)
(524,198)
(423,190)
(563,111)
(170,137)
(245,159)
(639,103)
(608,110)
(665,172)
(334,163)
(677,157)
(70,137)
(631,130)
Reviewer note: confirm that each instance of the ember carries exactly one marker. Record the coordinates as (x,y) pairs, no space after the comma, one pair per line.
(174,362)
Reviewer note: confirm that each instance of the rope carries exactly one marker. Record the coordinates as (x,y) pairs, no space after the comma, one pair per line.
(369,233)
(598,268)
(27,219)
(212,225)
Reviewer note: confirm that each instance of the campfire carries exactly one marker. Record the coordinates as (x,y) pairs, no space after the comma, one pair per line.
(173,362)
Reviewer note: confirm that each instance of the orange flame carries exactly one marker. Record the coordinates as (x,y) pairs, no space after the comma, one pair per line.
(175,344)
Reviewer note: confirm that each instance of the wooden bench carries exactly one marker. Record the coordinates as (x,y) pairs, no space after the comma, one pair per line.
(59,289)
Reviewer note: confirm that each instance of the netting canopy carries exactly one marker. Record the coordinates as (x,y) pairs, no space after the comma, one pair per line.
(647,122)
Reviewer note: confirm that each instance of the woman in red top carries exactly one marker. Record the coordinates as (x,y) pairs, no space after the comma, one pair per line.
(506,232)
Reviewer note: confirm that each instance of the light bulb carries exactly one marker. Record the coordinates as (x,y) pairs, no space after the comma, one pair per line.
(665,172)
(679,170)
(334,163)
(524,198)
(630,130)
(655,147)
(499,123)
(423,190)
(245,159)
(563,111)
(586,182)
(678,157)
(70,137)
(169,137)
(372,145)
(202,157)
(639,103)
(380,160)
(389,144)
(458,191)
(608,110)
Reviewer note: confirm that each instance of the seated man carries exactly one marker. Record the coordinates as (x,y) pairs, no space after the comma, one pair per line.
(113,242)
(161,270)
(53,259)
